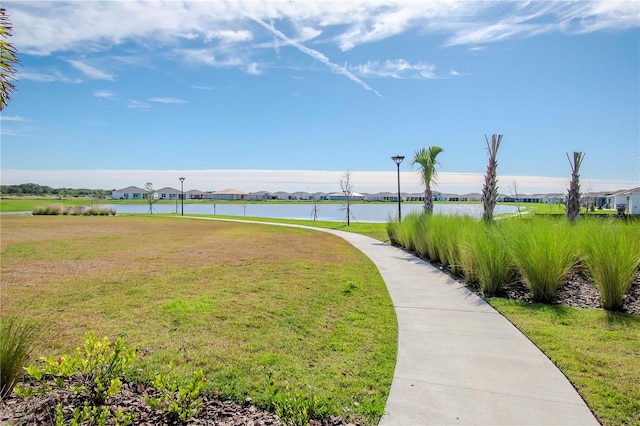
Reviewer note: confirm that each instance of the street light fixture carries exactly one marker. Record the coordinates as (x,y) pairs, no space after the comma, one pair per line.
(182,194)
(398,159)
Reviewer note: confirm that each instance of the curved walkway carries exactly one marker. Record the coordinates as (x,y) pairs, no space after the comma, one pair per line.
(459,361)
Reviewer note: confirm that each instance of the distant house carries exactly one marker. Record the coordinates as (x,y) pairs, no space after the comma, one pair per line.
(382,196)
(128,193)
(195,194)
(300,195)
(228,194)
(629,200)
(341,196)
(259,196)
(318,196)
(454,197)
(168,193)
(281,195)
(473,196)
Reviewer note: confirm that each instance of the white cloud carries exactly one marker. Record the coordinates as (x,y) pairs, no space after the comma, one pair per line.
(455,73)
(12,118)
(252,69)
(167,100)
(292,180)
(228,35)
(193,86)
(398,68)
(104,94)
(54,76)
(133,104)
(91,72)
(316,55)
(96,26)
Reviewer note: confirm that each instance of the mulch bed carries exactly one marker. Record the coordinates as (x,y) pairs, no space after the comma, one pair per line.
(577,291)
(41,410)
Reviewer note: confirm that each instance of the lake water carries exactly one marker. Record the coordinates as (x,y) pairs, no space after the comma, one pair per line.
(330,212)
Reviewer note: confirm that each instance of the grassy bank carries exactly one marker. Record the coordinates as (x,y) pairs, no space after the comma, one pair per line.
(598,351)
(235,300)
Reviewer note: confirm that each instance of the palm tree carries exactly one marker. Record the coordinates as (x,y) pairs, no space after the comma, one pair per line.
(490,189)
(573,198)
(426,158)
(7,59)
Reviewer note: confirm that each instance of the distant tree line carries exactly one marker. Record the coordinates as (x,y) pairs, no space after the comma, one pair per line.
(34,189)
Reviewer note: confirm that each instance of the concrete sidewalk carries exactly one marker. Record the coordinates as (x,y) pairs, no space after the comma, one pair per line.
(459,361)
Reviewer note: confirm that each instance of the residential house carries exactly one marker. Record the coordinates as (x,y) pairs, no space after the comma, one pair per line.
(281,195)
(128,193)
(382,196)
(454,197)
(228,194)
(341,196)
(625,201)
(300,195)
(168,193)
(259,196)
(195,194)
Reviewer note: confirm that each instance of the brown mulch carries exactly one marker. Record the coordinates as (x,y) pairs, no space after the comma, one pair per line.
(41,410)
(576,291)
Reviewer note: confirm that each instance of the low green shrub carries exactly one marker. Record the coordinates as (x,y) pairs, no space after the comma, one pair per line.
(295,407)
(17,338)
(179,401)
(611,254)
(99,369)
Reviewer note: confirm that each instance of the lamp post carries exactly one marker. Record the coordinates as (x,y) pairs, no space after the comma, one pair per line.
(398,159)
(182,195)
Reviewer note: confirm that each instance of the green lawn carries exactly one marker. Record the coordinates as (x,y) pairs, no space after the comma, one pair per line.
(235,300)
(598,351)
(275,307)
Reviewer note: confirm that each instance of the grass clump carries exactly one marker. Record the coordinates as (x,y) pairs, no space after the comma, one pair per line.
(611,255)
(486,257)
(544,254)
(59,209)
(17,338)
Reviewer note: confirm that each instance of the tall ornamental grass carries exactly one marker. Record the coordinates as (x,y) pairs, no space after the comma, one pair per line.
(408,230)
(487,249)
(611,254)
(543,252)
(17,338)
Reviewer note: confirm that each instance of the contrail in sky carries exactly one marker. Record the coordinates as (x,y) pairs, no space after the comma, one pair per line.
(315,55)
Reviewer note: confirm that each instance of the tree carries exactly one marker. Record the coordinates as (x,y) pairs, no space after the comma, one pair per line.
(347,189)
(573,197)
(151,195)
(8,58)
(490,189)
(426,159)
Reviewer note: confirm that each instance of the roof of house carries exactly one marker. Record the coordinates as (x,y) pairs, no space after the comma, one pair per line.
(229,191)
(168,190)
(130,189)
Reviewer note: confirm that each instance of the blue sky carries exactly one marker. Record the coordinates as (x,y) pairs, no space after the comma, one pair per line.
(290,95)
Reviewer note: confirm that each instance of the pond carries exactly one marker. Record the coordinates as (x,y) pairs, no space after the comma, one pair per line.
(331,212)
